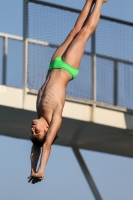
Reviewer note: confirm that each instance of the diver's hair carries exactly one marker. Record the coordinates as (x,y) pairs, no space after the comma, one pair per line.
(38,141)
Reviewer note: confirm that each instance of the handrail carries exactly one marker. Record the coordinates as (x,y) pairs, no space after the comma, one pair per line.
(78,11)
(44,43)
(91,102)
(11,36)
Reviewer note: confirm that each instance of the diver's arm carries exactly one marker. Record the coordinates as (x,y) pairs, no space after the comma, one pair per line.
(46,149)
(34,157)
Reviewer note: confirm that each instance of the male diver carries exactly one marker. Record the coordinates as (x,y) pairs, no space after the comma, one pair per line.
(64,67)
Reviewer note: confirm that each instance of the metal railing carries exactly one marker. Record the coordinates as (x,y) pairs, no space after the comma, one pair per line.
(7,66)
(107,57)
(4,54)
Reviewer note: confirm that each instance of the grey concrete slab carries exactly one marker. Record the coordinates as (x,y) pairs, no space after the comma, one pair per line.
(85,135)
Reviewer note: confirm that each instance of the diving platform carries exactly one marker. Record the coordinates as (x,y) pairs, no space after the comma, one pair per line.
(85,125)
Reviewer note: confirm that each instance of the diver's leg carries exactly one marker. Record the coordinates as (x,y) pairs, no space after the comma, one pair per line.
(74,52)
(78,25)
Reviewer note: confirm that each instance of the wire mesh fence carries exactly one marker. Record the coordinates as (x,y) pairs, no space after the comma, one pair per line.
(54,28)
(114,39)
(38,62)
(114,44)
(125,85)
(105,81)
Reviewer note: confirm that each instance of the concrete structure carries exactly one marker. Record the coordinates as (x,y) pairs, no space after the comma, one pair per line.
(85,125)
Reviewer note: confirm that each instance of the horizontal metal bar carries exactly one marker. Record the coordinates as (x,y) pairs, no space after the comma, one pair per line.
(89,102)
(11,36)
(55,6)
(43,43)
(98,104)
(78,11)
(39,42)
(86,52)
(117,20)
(114,59)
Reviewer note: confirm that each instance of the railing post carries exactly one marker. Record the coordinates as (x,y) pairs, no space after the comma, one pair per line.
(93,50)
(115,83)
(25,48)
(93,58)
(5,51)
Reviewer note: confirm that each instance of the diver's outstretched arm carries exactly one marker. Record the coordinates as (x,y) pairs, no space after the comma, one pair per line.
(34,157)
(46,149)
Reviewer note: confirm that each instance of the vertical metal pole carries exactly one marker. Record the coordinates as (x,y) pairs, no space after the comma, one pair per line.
(93,50)
(25,47)
(5,51)
(94,98)
(115,83)
(87,173)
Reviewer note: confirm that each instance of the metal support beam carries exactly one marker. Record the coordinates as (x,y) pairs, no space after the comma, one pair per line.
(86,173)
(93,51)
(25,47)
(5,50)
(93,64)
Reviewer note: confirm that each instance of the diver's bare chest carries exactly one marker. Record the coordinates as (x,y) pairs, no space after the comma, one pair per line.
(52,99)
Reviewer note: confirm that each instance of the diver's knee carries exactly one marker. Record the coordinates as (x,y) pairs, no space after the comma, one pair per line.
(74,31)
(85,33)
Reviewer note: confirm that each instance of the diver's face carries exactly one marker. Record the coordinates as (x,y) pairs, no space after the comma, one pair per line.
(39,127)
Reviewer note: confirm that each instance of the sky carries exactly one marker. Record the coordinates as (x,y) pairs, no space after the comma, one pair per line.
(63,177)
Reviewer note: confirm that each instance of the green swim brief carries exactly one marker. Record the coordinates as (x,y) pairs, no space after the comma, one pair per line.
(58,63)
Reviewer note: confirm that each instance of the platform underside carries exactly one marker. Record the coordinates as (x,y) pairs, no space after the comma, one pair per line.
(85,135)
